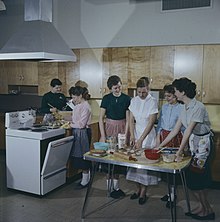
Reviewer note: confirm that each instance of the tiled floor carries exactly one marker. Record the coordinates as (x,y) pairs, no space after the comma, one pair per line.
(65,204)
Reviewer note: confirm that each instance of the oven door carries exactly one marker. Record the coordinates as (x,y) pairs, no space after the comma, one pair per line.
(53,173)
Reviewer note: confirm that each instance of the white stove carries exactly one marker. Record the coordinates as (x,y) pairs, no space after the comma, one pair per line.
(20,124)
(35,161)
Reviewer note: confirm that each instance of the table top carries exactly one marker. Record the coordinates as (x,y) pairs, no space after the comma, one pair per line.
(142,163)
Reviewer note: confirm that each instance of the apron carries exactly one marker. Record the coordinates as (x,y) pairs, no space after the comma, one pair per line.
(142,176)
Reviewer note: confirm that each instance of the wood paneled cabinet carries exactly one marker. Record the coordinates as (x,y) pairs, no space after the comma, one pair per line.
(188,63)
(22,73)
(200,63)
(3,79)
(90,66)
(211,74)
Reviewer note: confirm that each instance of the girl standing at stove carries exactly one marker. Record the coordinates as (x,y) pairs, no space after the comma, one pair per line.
(81,132)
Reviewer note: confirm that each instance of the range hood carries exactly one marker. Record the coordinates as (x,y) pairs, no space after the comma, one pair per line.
(37,38)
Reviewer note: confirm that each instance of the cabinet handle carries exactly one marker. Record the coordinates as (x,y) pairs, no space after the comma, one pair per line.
(151,80)
(199,93)
(203,94)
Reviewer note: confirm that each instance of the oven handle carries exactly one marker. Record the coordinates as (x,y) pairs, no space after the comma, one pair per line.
(61,143)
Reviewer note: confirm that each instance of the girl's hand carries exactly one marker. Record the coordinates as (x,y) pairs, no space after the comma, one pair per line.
(138,144)
(179,156)
(102,139)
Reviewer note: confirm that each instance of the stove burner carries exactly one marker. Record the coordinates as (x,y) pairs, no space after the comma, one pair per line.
(39,129)
(24,128)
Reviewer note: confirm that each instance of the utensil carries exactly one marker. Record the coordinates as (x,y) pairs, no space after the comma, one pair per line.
(50,105)
(161,149)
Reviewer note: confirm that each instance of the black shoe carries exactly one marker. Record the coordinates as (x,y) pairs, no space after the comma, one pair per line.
(210,216)
(134,196)
(116,194)
(165,198)
(142,200)
(79,186)
(188,214)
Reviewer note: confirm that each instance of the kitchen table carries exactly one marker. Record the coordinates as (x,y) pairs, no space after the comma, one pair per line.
(169,168)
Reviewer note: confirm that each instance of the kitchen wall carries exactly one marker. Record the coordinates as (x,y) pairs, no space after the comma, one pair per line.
(117,23)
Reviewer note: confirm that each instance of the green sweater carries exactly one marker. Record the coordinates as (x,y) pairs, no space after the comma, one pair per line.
(57,100)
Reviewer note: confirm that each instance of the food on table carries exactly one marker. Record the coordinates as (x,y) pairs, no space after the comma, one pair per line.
(168,157)
(124,156)
(98,152)
(152,154)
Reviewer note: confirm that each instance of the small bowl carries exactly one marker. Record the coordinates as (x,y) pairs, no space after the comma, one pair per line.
(152,154)
(168,157)
(101,145)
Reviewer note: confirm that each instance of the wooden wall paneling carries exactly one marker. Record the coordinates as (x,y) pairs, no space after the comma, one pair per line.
(72,71)
(188,63)
(46,72)
(161,66)
(211,74)
(138,64)
(3,79)
(106,62)
(119,65)
(91,70)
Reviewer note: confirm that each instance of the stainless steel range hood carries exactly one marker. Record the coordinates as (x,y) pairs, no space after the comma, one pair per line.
(37,39)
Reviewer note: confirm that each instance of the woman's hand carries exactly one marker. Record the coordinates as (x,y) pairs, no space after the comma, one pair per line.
(138,144)
(179,156)
(102,139)
(53,110)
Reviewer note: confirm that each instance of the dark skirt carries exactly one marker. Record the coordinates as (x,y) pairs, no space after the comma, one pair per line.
(81,145)
(200,179)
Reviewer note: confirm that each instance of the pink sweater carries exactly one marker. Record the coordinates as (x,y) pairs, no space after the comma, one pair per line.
(81,117)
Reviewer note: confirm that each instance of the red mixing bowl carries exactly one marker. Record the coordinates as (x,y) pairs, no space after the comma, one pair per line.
(152,154)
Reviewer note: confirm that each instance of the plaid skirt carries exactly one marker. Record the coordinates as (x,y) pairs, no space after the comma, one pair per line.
(175,142)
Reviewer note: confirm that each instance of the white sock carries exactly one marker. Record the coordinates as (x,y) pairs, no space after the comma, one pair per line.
(115,184)
(85,178)
(172,193)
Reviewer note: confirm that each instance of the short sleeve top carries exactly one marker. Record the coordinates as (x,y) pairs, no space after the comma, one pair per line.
(115,107)
(195,111)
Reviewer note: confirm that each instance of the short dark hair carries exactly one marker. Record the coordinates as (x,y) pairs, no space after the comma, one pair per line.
(142,82)
(169,88)
(55,82)
(185,85)
(78,90)
(113,81)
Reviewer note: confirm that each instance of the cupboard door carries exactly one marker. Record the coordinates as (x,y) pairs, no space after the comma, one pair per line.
(91,70)
(188,63)
(211,73)
(119,65)
(46,72)
(29,73)
(22,73)
(161,66)
(72,70)
(3,79)
(138,64)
